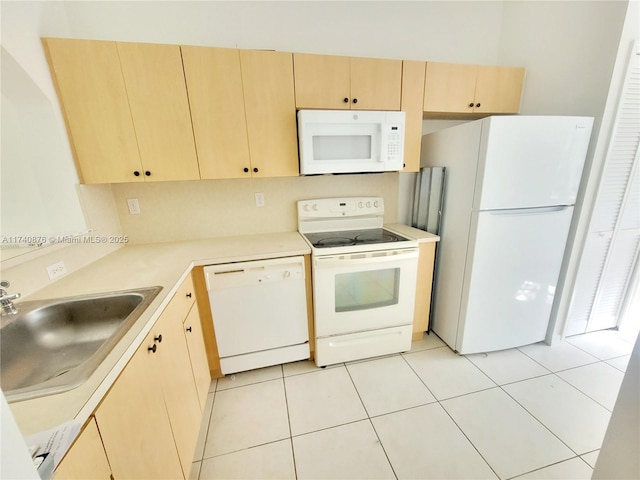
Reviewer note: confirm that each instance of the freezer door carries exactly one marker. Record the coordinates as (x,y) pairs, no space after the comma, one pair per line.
(530,161)
(512,271)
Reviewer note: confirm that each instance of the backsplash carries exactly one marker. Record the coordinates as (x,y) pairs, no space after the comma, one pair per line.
(174,211)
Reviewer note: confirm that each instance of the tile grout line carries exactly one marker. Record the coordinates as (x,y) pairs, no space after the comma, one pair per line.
(530,413)
(500,387)
(543,425)
(585,393)
(286,406)
(436,400)
(449,415)
(562,369)
(252,446)
(469,440)
(546,466)
(371,423)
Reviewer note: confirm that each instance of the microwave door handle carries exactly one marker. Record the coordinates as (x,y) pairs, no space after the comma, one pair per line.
(348,260)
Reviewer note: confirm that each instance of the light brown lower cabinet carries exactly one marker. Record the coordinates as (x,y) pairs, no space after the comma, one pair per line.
(424,285)
(86,460)
(178,386)
(198,354)
(134,423)
(149,421)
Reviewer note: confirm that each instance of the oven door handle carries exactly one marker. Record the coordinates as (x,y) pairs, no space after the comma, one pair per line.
(370,258)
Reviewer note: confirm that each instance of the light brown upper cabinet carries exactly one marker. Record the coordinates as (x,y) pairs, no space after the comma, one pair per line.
(214,84)
(269,100)
(343,83)
(412,95)
(158,101)
(243,112)
(476,89)
(126,110)
(94,102)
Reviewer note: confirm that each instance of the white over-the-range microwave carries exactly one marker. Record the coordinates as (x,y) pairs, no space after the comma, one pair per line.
(350,141)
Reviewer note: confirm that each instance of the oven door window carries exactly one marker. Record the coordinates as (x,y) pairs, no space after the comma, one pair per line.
(367,289)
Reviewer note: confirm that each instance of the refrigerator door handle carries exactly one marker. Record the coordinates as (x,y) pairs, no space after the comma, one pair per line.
(530,211)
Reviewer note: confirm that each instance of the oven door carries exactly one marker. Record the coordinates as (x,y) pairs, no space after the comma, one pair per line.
(364,291)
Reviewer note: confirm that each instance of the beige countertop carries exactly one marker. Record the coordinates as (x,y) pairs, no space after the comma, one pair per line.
(138,266)
(420,235)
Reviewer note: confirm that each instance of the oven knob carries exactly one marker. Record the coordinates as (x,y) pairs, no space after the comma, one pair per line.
(315,207)
(360,205)
(376,204)
(368,204)
(306,207)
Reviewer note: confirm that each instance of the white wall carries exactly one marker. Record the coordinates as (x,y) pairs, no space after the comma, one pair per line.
(23,24)
(569,50)
(466,32)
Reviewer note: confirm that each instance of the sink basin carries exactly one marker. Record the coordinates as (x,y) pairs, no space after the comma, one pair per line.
(51,346)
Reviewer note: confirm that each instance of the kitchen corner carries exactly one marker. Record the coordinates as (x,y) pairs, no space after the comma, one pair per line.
(135,266)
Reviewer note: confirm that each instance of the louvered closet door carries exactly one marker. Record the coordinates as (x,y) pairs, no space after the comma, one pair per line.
(611,249)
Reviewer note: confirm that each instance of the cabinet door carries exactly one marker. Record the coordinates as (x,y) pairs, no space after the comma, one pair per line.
(86,459)
(214,84)
(423,289)
(178,385)
(449,88)
(498,89)
(375,84)
(93,99)
(267,81)
(322,81)
(198,354)
(412,95)
(134,424)
(157,93)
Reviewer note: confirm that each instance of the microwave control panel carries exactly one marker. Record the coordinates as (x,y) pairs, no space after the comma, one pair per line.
(393,135)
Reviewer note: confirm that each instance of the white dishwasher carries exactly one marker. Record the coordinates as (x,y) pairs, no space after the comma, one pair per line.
(259,311)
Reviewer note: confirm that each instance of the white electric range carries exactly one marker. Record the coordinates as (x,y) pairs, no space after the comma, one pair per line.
(364,279)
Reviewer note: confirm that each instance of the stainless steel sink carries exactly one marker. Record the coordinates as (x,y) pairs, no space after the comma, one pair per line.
(51,346)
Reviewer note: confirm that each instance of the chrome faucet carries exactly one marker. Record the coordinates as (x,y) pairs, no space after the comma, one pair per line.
(6,300)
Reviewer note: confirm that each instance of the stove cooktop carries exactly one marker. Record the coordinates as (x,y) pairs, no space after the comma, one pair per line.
(347,238)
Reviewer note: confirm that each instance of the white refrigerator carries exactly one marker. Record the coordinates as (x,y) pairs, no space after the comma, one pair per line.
(509,195)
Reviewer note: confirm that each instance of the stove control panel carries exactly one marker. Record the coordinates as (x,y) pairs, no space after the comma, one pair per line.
(341,207)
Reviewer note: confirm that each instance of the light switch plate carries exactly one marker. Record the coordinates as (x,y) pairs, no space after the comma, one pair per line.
(259,199)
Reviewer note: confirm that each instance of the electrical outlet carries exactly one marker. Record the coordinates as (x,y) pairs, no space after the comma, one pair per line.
(56,270)
(259,199)
(134,206)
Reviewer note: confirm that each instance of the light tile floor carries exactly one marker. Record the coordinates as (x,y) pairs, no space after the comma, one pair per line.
(532,412)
